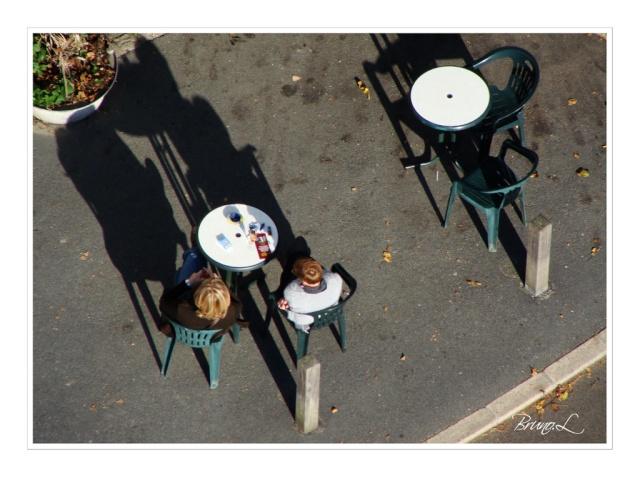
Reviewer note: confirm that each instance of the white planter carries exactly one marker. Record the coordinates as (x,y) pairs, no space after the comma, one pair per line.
(67,116)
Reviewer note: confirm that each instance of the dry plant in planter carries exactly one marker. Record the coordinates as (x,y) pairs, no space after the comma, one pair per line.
(70,70)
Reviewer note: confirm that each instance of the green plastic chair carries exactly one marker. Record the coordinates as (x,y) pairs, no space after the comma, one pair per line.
(211,339)
(492,186)
(506,109)
(321,318)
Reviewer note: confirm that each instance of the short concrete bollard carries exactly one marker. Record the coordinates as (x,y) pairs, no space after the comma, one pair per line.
(308,394)
(538,255)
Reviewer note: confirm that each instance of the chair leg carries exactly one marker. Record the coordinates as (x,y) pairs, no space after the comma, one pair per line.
(214,362)
(235,333)
(342,326)
(521,127)
(522,207)
(272,309)
(452,197)
(493,223)
(168,351)
(303,343)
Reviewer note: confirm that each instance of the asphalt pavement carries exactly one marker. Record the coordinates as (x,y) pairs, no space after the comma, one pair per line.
(277,121)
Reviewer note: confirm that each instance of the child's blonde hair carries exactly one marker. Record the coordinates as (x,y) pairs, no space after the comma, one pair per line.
(212,298)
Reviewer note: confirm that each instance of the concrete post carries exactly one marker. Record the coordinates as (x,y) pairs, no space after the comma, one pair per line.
(308,394)
(538,255)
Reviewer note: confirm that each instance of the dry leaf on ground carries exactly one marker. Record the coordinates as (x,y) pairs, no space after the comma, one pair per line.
(363,87)
(334,409)
(576,155)
(582,172)
(85,255)
(386,255)
(295,78)
(595,250)
(572,101)
(535,174)
(534,371)
(473,283)
(403,357)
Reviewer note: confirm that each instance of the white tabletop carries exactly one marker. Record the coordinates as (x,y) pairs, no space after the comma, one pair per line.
(450,98)
(242,255)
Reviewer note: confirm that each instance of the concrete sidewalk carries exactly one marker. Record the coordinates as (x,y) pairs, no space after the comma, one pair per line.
(199,120)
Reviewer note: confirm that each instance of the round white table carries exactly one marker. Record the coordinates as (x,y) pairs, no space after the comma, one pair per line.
(242,255)
(450,98)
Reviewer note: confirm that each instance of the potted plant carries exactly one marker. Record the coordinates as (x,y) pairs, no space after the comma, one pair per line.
(72,73)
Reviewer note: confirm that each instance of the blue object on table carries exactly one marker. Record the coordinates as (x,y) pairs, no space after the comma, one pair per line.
(493,186)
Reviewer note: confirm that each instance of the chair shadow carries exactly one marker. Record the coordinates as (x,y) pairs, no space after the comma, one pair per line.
(400,62)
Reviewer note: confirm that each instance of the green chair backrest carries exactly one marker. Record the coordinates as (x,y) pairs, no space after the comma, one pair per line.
(193,338)
(327,316)
(476,187)
(522,82)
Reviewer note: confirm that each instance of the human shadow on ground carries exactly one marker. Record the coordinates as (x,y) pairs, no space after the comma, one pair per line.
(204,169)
(400,62)
(127,197)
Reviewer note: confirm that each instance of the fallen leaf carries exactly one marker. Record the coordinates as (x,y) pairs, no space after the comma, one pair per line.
(387,222)
(535,174)
(334,409)
(354,189)
(582,172)
(576,155)
(385,308)
(572,101)
(561,316)
(93,407)
(403,357)
(363,87)
(386,255)
(473,283)
(604,146)
(534,371)
(120,402)
(564,396)
(295,78)
(595,251)
(596,240)
(555,407)
(540,407)
(85,255)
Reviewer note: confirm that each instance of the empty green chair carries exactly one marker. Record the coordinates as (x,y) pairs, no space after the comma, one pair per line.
(321,318)
(492,186)
(211,339)
(506,106)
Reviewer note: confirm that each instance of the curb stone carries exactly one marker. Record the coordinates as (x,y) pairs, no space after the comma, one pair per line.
(524,394)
